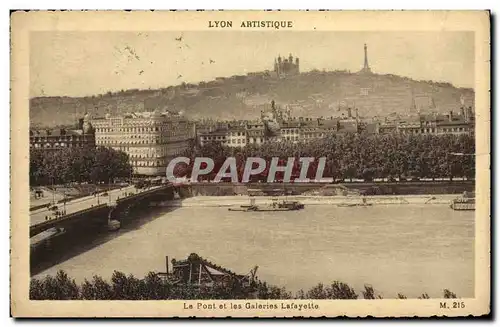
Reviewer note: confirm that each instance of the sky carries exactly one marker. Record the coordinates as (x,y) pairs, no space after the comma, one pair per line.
(90,63)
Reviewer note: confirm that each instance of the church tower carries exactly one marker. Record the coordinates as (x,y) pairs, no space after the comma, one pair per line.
(366,68)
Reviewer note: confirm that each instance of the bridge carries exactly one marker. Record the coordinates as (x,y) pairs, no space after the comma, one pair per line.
(94,206)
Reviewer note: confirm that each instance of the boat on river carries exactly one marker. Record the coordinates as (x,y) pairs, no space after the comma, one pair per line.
(465,202)
(274,206)
(354,205)
(362,204)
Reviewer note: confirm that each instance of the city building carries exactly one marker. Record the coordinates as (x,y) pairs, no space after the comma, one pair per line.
(60,138)
(151,139)
(256,132)
(436,124)
(237,136)
(278,125)
(218,136)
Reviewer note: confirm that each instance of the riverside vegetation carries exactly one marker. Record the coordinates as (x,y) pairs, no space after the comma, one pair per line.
(77,165)
(152,287)
(352,156)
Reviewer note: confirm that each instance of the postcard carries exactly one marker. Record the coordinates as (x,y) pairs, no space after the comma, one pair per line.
(250,163)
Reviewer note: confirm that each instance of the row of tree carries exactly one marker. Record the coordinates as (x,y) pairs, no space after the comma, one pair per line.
(356,156)
(77,165)
(152,287)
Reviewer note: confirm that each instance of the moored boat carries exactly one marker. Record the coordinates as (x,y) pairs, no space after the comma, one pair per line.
(465,202)
(354,205)
(275,206)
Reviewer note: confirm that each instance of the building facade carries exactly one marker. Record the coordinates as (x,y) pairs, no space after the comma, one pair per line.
(151,139)
(278,125)
(437,124)
(60,138)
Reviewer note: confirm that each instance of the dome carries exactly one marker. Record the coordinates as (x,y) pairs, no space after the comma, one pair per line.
(86,117)
(108,115)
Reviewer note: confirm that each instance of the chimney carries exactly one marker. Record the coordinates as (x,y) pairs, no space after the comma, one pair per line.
(451,115)
(49,132)
(62,131)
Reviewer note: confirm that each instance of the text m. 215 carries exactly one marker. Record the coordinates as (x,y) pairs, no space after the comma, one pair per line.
(452,305)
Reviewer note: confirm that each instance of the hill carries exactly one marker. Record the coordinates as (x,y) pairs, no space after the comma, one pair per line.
(313,93)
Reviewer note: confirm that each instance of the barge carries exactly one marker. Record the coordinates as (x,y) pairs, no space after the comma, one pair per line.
(275,206)
(363,204)
(465,202)
(354,205)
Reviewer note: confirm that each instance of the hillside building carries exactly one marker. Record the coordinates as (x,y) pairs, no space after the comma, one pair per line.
(284,67)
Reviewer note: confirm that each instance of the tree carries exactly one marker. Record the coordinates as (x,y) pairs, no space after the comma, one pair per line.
(59,287)
(77,165)
(447,294)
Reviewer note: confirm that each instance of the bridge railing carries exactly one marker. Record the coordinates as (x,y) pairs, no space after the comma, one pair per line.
(34,229)
(49,223)
(142,194)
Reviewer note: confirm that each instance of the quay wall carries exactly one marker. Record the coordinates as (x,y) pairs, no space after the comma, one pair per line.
(382,188)
(228,201)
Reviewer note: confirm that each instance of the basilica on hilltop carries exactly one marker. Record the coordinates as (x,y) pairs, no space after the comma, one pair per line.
(286,67)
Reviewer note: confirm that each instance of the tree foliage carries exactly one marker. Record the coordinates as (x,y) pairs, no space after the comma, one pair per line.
(360,156)
(152,287)
(77,165)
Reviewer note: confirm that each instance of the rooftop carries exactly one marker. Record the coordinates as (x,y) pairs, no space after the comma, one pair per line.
(54,132)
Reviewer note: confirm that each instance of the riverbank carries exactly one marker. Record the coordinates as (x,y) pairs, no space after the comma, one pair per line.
(227,201)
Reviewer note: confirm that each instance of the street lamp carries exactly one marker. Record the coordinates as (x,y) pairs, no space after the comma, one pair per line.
(53,191)
(64,203)
(97,193)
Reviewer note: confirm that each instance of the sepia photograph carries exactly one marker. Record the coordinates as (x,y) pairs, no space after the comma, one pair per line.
(250,164)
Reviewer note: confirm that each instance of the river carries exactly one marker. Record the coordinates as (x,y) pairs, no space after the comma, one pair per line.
(409,249)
